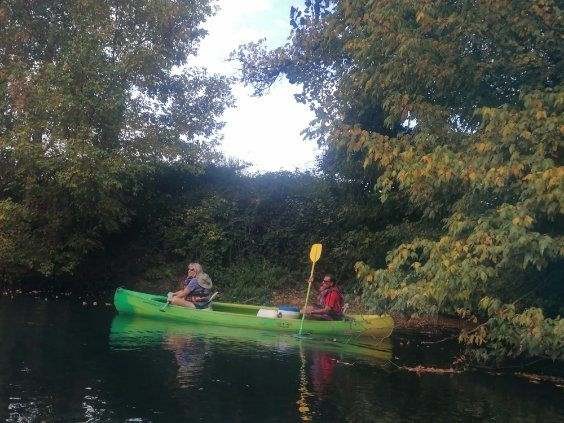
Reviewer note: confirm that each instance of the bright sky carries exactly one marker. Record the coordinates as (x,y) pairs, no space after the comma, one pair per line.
(264,131)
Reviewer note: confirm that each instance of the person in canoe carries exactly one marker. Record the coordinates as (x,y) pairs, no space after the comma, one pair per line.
(196,291)
(329,302)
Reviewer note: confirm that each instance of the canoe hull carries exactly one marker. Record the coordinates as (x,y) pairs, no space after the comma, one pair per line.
(244,316)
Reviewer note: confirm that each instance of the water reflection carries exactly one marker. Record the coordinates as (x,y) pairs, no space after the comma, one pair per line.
(190,355)
(59,362)
(322,369)
(137,333)
(191,346)
(304,409)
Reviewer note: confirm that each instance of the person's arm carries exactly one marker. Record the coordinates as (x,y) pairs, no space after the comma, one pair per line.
(327,307)
(309,310)
(185,290)
(323,310)
(178,293)
(191,286)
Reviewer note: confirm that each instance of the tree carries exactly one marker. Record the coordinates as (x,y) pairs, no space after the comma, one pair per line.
(465,103)
(92,94)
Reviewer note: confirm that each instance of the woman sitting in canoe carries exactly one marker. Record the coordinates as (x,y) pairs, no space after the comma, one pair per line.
(329,302)
(196,291)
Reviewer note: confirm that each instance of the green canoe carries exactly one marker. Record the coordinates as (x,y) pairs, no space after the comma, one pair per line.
(245,316)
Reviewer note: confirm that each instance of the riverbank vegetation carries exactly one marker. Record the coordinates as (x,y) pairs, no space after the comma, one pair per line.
(458,107)
(439,190)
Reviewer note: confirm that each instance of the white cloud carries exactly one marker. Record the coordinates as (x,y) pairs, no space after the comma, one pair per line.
(264,131)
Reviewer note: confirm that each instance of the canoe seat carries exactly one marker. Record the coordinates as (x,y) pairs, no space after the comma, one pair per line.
(207,304)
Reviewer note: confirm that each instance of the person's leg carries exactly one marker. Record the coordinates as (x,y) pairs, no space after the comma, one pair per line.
(178,293)
(308,309)
(320,317)
(330,315)
(325,316)
(182,302)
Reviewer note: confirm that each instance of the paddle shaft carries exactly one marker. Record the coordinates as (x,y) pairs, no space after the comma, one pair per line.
(168,300)
(307,296)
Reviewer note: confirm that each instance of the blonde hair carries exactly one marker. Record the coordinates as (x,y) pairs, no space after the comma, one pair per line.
(197,267)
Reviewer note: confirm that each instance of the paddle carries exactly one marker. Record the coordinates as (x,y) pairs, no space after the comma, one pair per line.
(314,255)
(168,299)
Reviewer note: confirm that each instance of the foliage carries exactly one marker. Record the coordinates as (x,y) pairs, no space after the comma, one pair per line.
(106,152)
(251,280)
(512,334)
(92,97)
(227,221)
(458,106)
(441,124)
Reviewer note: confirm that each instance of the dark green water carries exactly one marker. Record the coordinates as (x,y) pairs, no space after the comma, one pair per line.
(63,362)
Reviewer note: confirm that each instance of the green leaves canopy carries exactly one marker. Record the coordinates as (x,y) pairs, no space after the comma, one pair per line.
(92,93)
(465,105)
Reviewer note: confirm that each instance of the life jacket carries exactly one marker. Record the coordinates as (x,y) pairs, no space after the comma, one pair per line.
(199,294)
(337,307)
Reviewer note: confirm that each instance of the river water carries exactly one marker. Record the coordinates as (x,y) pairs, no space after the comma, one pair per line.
(60,361)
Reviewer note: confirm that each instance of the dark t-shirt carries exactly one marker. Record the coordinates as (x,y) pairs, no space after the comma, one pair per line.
(192,284)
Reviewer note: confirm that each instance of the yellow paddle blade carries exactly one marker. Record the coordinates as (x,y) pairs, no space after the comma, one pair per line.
(315,252)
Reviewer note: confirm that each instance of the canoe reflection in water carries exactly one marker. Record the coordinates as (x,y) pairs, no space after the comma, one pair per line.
(129,332)
(318,359)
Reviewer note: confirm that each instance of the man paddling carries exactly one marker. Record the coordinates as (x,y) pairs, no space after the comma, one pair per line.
(329,302)
(196,291)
